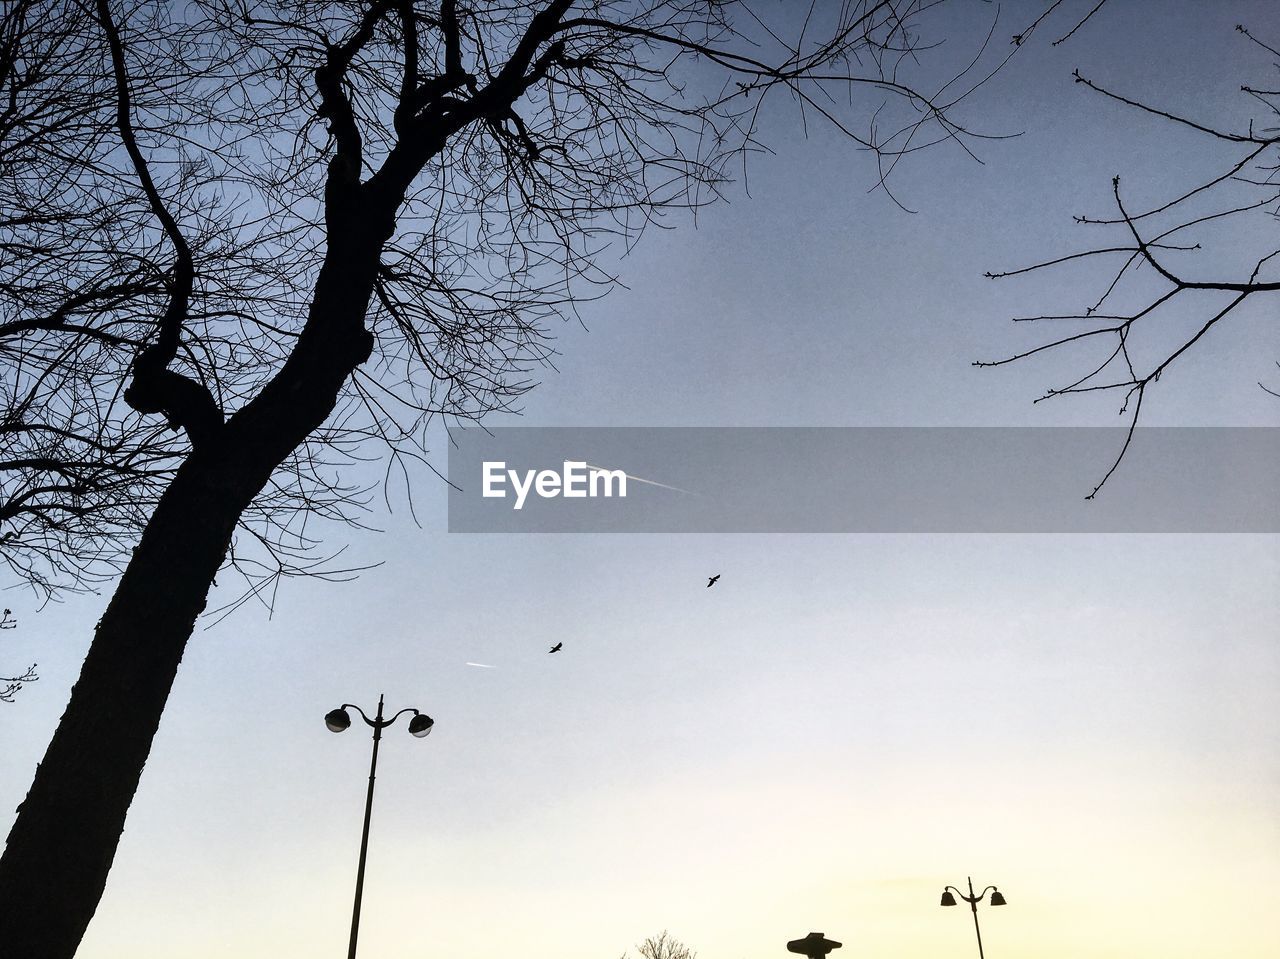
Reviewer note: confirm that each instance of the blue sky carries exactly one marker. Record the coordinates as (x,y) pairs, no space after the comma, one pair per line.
(844,724)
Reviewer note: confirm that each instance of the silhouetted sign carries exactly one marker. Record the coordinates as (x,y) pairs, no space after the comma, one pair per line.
(814,945)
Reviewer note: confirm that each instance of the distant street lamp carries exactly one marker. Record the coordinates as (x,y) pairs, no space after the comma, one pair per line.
(997,899)
(338,720)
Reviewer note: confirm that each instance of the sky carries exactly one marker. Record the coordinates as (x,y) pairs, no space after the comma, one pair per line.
(844,724)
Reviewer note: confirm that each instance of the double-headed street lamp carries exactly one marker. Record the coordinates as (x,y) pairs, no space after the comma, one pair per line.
(338,720)
(997,899)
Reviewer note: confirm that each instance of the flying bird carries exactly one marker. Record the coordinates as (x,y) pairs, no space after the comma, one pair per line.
(711,581)
(482,665)
(555,648)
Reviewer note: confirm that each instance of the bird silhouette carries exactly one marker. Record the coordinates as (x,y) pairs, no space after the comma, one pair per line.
(711,581)
(555,648)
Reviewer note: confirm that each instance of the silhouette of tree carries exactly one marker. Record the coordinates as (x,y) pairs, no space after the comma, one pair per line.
(247,244)
(663,946)
(11,685)
(1156,300)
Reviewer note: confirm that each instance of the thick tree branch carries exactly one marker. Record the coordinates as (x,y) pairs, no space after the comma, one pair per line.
(186,403)
(335,105)
(409,73)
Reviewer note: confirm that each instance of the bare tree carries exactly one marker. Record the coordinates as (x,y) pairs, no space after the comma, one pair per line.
(247,244)
(1156,300)
(663,946)
(10,686)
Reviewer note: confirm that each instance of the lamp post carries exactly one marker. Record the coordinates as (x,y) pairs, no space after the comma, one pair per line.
(997,899)
(339,720)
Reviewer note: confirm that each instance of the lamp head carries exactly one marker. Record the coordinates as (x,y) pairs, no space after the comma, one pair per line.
(338,720)
(420,725)
(997,897)
(947,898)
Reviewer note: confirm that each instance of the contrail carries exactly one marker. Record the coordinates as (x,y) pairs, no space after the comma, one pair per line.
(631,476)
(482,665)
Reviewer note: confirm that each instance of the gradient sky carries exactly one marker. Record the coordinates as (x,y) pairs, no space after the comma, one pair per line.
(845,723)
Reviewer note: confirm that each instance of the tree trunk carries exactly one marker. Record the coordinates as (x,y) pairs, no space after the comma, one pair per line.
(54,867)
(61,847)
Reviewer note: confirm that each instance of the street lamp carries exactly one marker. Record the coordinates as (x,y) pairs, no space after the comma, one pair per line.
(339,720)
(997,899)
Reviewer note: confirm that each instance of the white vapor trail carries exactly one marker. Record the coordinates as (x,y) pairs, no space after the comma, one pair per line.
(638,479)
